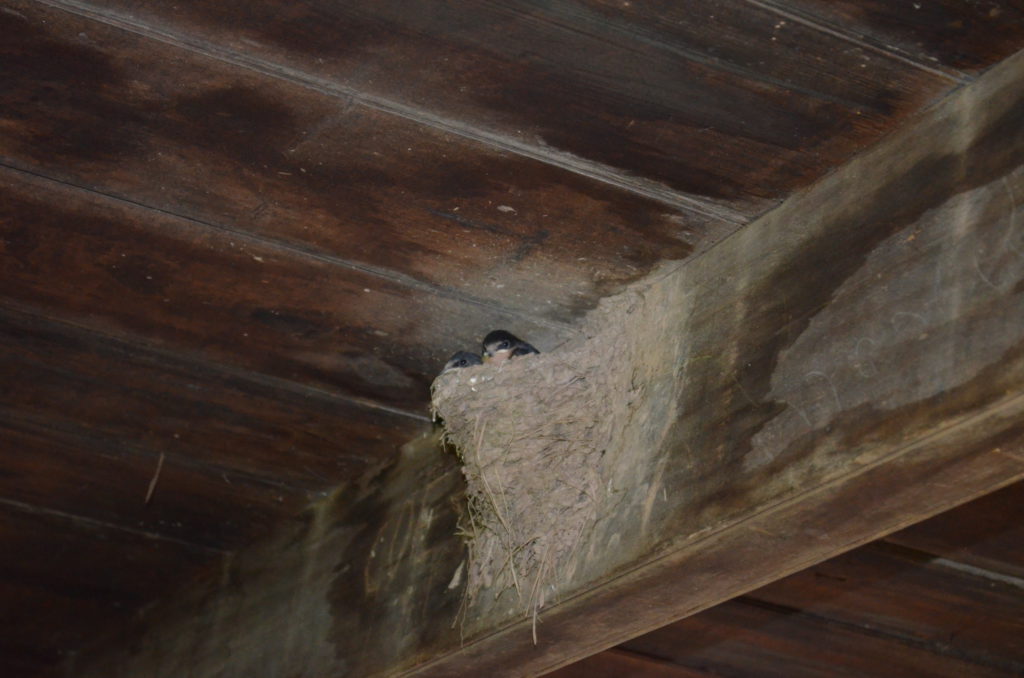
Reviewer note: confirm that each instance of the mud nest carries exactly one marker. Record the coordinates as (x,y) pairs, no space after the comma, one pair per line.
(543,440)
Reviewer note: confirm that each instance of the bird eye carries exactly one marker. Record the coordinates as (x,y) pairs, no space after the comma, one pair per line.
(503,345)
(463,362)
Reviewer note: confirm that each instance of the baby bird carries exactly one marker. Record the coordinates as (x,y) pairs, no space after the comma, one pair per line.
(461,359)
(500,346)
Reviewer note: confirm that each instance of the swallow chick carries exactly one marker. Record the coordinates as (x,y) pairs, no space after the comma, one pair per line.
(461,359)
(500,346)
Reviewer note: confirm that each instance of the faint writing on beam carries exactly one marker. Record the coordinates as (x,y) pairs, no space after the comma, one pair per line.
(997,261)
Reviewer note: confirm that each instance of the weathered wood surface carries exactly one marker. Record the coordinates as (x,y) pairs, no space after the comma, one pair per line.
(910,596)
(742,639)
(63,378)
(617,663)
(118,268)
(70,575)
(848,365)
(956,37)
(103,481)
(724,105)
(300,170)
(986,534)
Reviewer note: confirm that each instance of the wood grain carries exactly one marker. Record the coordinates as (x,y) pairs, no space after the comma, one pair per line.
(182,287)
(58,586)
(137,400)
(987,533)
(619,663)
(901,602)
(641,96)
(102,481)
(303,169)
(957,37)
(883,590)
(743,640)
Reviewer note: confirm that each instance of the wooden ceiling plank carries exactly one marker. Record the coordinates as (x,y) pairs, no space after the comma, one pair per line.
(110,485)
(618,663)
(58,585)
(219,422)
(21,662)
(175,283)
(883,590)
(958,38)
(788,442)
(583,85)
(987,533)
(87,524)
(237,150)
(741,640)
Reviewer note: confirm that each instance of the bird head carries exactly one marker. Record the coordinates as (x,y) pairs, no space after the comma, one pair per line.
(461,359)
(498,344)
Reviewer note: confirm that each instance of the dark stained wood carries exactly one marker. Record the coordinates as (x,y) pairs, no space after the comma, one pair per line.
(987,533)
(384,197)
(183,287)
(944,34)
(242,237)
(846,366)
(58,376)
(741,640)
(62,579)
(20,662)
(723,102)
(885,590)
(102,481)
(618,663)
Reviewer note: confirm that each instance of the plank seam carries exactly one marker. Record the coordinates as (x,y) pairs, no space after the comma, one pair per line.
(141,345)
(92,522)
(647,37)
(862,42)
(936,647)
(544,154)
(70,433)
(295,249)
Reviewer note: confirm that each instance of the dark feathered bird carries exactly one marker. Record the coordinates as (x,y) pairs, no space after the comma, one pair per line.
(462,359)
(500,346)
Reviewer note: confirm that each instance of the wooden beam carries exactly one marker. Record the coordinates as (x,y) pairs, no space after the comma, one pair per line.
(848,365)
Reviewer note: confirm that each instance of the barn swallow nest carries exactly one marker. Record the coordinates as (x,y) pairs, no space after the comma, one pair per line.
(545,441)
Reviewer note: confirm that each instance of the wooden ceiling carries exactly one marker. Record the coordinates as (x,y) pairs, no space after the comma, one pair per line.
(238,239)
(942,598)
